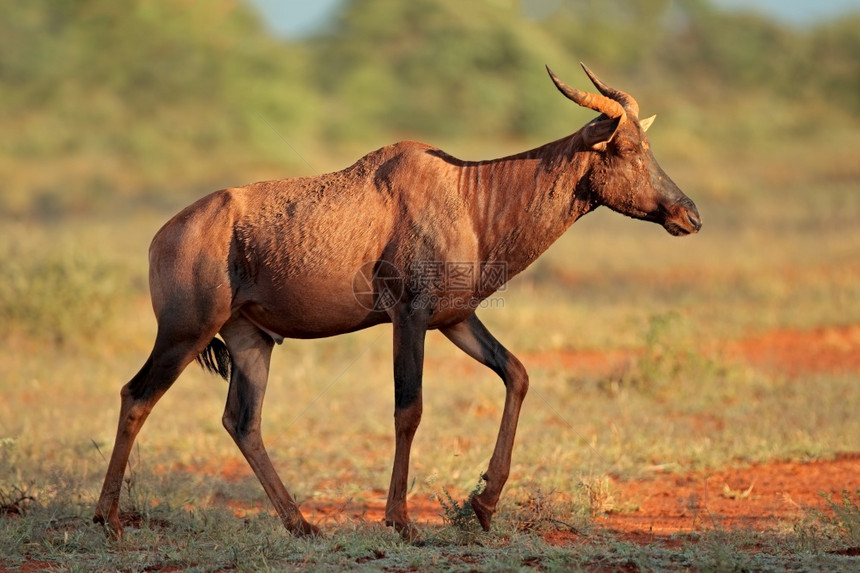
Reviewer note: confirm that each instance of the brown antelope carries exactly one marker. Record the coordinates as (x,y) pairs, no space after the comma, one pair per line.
(320,256)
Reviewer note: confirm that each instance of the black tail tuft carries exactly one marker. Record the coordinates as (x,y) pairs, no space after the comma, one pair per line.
(216,358)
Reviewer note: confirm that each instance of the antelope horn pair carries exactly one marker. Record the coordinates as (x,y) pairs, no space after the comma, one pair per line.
(613,103)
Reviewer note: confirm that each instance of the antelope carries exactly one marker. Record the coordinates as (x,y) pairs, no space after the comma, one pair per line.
(285,259)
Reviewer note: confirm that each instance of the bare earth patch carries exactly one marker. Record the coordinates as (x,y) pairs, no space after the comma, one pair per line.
(758,498)
(761,497)
(832,349)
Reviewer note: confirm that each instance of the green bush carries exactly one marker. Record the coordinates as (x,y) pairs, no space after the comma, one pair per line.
(59,294)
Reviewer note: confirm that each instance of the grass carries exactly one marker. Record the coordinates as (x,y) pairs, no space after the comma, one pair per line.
(459,514)
(844,517)
(59,535)
(76,325)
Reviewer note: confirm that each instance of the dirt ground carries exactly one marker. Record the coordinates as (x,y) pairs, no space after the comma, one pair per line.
(758,498)
(761,496)
(833,349)
(663,510)
(665,507)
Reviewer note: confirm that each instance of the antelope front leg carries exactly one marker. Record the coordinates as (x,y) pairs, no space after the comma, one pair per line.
(474,339)
(484,504)
(409,333)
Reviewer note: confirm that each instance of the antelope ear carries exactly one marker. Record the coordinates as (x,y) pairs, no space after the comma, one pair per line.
(599,132)
(646,123)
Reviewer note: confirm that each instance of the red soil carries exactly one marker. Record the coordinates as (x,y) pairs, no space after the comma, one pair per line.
(663,509)
(759,497)
(834,349)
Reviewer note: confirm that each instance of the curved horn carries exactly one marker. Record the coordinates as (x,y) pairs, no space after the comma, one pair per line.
(601,103)
(621,97)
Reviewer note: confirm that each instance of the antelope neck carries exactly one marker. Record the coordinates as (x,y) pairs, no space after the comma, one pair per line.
(523,203)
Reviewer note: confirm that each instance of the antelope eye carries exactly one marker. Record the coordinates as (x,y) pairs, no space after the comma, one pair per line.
(626,151)
(632,157)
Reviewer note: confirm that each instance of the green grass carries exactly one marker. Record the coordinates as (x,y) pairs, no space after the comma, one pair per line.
(775,252)
(60,535)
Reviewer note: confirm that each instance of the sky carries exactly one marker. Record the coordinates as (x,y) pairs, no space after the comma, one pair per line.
(297,18)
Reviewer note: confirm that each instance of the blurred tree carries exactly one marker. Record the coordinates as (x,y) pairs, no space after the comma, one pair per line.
(136,97)
(141,99)
(742,51)
(623,35)
(833,71)
(437,67)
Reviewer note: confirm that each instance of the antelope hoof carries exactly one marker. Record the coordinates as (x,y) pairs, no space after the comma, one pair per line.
(408,532)
(306,529)
(482,512)
(112,526)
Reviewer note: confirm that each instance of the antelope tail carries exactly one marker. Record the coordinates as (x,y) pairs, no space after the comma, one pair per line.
(216,358)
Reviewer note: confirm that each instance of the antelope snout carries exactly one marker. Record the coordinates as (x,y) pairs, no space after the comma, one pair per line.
(682,218)
(694,219)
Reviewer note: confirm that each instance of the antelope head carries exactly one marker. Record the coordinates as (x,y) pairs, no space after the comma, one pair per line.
(624,174)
